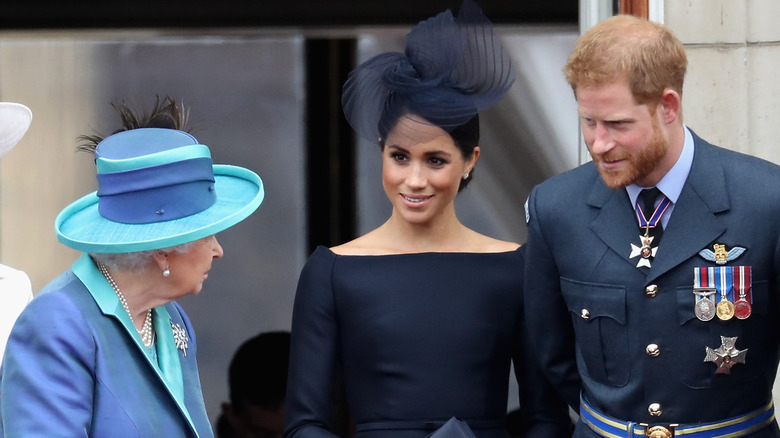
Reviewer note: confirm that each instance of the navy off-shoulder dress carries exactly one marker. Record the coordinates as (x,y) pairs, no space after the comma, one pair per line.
(420,338)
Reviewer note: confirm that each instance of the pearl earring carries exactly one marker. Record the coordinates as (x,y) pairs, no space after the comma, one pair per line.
(466,176)
(166,272)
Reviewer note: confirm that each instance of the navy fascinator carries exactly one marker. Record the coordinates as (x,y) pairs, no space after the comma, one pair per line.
(451,69)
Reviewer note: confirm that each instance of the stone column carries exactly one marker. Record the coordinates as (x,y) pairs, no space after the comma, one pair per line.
(731,95)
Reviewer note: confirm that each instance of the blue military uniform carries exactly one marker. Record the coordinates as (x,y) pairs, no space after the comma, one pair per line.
(627,338)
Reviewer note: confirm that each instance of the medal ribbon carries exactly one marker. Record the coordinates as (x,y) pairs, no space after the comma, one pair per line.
(742,283)
(742,294)
(724,286)
(703,278)
(655,218)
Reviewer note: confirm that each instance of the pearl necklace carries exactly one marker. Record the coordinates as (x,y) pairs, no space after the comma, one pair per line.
(147,334)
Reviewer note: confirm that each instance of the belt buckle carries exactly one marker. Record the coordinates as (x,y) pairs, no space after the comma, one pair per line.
(658,431)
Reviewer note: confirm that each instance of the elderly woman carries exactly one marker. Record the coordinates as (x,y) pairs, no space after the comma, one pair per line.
(107,352)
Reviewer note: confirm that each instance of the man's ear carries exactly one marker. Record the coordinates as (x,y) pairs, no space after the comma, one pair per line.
(670,105)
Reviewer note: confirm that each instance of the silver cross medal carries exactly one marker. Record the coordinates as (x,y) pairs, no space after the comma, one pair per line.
(725,356)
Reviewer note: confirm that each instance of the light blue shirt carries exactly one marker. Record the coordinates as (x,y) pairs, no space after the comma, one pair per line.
(672,183)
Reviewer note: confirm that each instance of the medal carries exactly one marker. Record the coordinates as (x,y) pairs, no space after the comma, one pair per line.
(704,290)
(705,307)
(720,281)
(742,307)
(645,252)
(725,356)
(725,309)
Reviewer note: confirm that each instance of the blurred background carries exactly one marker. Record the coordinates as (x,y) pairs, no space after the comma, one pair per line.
(263,84)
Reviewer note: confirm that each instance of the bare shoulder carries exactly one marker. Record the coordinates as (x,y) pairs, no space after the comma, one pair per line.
(482,243)
(367,244)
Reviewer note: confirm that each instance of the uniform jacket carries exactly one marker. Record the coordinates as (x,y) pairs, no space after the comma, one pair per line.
(71,369)
(592,311)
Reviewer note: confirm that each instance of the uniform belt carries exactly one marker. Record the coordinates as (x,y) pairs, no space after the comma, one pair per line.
(735,427)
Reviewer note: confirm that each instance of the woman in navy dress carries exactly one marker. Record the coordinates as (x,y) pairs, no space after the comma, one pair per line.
(422,315)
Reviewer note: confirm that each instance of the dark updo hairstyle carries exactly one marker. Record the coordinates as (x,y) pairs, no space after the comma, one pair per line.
(466,138)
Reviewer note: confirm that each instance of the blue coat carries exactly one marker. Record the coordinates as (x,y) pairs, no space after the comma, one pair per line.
(71,369)
(578,262)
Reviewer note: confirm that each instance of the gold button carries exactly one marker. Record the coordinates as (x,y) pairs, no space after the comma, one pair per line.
(651,290)
(655,409)
(585,314)
(653,350)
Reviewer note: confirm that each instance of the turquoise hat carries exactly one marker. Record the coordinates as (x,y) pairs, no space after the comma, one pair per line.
(157,188)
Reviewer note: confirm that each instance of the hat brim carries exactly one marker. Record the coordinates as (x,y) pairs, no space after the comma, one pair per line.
(80,226)
(15,119)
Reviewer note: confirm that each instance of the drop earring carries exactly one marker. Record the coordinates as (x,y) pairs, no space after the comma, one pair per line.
(166,272)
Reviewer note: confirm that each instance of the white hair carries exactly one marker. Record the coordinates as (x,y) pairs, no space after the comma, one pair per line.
(136,262)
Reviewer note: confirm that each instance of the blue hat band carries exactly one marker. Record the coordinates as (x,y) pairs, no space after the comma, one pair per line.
(157,194)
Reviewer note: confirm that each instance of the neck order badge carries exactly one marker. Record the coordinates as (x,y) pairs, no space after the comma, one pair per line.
(646,221)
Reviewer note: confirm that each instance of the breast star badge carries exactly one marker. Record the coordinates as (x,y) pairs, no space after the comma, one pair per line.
(725,356)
